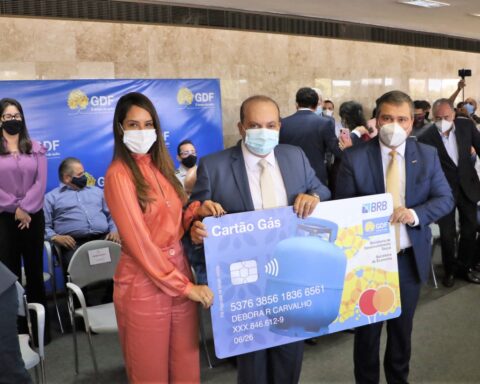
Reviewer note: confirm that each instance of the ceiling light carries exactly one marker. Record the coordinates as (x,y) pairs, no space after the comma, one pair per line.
(475,14)
(425,3)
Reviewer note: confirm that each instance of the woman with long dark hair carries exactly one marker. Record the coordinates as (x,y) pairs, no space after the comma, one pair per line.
(353,120)
(153,294)
(23,170)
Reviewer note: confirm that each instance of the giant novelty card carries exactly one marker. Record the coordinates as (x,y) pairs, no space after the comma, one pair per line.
(279,279)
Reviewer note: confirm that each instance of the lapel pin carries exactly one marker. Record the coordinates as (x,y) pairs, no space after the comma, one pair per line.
(414,161)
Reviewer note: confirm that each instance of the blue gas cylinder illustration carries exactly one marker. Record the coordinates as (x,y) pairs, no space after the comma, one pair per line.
(307,277)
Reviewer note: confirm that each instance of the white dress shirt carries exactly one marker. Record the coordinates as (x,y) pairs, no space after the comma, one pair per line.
(404,239)
(450,143)
(253,173)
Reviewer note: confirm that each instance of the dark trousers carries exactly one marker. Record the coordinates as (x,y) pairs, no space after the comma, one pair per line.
(467,253)
(12,368)
(68,253)
(16,244)
(399,330)
(278,365)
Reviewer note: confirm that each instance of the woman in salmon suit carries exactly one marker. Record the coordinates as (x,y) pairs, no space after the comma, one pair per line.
(153,296)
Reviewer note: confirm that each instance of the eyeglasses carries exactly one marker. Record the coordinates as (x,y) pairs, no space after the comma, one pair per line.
(8,116)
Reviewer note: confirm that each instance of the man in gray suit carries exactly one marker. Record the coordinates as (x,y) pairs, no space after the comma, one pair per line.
(12,368)
(236,178)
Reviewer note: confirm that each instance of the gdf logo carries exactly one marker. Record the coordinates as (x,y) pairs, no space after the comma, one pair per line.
(204,97)
(77,99)
(51,145)
(101,101)
(186,97)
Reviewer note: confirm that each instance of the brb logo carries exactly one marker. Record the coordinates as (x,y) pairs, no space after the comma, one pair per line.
(376,206)
(186,97)
(78,100)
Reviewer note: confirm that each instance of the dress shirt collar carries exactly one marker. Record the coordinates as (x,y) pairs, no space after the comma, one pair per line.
(386,150)
(64,187)
(251,161)
(305,109)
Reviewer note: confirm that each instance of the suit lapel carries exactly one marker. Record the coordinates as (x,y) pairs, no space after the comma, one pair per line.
(284,166)
(442,151)
(241,178)
(411,169)
(462,146)
(375,161)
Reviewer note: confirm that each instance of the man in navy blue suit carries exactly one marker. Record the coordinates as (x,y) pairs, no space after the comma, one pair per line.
(233,178)
(423,196)
(313,133)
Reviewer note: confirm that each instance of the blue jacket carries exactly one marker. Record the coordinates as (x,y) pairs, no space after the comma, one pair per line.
(222,177)
(427,190)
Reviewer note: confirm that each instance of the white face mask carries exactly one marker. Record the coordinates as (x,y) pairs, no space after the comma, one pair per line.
(392,135)
(328,112)
(444,125)
(139,140)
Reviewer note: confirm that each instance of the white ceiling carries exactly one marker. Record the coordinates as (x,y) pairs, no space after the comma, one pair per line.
(454,20)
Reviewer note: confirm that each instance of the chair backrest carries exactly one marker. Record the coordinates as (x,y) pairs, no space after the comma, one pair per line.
(20,295)
(94,261)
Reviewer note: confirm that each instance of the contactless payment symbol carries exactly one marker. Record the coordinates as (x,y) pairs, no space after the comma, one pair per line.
(244,272)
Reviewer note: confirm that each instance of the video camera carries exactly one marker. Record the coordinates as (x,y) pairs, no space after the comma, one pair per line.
(464,73)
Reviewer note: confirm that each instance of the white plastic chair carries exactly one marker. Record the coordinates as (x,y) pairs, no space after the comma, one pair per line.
(92,262)
(32,357)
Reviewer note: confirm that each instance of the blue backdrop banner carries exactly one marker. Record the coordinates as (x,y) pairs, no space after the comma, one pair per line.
(74,117)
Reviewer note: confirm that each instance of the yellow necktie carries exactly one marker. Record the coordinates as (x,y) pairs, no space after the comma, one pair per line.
(393,187)
(267,186)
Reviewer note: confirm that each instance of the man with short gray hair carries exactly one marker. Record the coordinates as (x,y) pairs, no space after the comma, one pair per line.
(75,212)
(454,139)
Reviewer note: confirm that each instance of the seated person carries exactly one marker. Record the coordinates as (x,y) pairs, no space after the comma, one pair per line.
(76,213)
(187,171)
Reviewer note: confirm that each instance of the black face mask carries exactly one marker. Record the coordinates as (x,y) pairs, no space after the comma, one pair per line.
(190,161)
(12,127)
(80,182)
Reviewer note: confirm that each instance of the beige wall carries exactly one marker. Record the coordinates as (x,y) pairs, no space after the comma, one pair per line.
(246,63)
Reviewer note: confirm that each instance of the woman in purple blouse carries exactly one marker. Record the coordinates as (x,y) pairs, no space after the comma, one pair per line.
(23,176)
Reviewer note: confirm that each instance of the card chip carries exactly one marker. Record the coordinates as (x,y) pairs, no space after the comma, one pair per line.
(244,272)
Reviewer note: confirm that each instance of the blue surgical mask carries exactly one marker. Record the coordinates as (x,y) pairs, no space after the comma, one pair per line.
(319,111)
(469,107)
(261,141)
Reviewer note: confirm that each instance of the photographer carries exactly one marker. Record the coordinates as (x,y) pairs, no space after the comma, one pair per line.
(470,103)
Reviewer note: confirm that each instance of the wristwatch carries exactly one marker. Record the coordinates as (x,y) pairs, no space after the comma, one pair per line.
(315,195)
